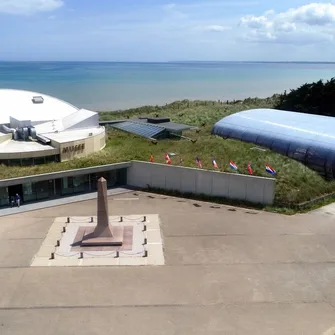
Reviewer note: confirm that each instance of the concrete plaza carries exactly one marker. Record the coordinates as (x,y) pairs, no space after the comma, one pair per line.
(228,271)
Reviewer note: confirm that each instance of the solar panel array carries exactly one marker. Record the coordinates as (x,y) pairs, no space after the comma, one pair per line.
(139,128)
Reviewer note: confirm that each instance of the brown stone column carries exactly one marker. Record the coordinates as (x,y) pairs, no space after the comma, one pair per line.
(103,229)
(103,234)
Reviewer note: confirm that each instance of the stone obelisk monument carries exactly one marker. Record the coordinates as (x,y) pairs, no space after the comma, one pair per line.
(103,234)
(103,228)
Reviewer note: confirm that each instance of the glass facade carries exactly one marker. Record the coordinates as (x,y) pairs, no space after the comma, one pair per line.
(306,138)
(37,191)
(31,161)
(77,184)
(4,197)
(66,186)
(114,178)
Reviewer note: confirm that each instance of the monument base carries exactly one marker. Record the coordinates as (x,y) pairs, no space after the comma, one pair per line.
(90,239)
(142,243)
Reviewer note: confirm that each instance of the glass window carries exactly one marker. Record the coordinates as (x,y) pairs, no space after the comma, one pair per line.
(80,183)
(4,197)
(96,176)
(27,161)
(42,189)
(58,186)
(93,180)
(39,160)
(29,193)
(114,178)
(67,185)
(122,177)
(13,162)
(52,158)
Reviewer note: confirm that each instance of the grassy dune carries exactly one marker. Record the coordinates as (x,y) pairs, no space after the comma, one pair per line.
(295,182)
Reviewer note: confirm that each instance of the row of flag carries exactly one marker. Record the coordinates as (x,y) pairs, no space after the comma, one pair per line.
(232,165)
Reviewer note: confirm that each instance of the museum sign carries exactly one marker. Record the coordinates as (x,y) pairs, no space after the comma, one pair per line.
(73,148)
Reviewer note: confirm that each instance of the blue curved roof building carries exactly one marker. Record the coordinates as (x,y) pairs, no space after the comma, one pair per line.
(307,138)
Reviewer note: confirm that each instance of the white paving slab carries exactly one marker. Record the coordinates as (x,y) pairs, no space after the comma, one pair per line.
(147,243)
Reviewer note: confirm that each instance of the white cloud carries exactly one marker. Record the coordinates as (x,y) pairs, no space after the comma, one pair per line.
(173,10)
(27,7)
(256,22)
(313,14)
(215,28)
(306,24)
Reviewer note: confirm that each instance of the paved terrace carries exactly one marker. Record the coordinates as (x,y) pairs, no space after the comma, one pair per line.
(228,272)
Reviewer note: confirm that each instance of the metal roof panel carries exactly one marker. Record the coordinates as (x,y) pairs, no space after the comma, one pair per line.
(139,128)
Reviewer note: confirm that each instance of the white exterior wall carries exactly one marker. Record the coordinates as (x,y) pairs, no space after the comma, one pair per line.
(212,183)
(81,119)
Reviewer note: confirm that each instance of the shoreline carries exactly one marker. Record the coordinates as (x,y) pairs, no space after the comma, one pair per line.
(171,101)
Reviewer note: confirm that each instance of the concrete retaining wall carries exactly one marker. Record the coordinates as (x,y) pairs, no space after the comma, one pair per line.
(187,180)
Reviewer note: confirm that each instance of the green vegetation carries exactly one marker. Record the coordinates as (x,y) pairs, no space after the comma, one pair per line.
(295,183)
(312,98)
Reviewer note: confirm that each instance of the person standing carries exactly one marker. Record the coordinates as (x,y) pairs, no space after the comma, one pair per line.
(18,200)
(12,201)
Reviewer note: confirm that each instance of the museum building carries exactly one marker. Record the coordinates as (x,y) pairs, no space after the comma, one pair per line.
(36,128)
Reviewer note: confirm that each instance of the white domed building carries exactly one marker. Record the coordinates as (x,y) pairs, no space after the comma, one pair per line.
(36,128)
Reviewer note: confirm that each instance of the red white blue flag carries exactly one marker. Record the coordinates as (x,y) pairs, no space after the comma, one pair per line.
(250,168)
(233,166)
(197,160)
(167,159)
(270,170)
(214,163)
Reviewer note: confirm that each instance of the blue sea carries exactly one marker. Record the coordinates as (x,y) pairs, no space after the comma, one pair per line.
(114,86)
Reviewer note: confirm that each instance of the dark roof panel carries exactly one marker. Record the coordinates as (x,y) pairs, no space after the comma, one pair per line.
(139,128)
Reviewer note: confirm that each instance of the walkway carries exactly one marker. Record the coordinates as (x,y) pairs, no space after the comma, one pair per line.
(59,201)
(226,272)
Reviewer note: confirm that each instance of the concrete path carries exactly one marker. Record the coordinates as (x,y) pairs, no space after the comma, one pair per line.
(58,202)
(328,210)
(231,272)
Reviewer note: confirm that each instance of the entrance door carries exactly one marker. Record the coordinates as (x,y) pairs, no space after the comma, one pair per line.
(12,190)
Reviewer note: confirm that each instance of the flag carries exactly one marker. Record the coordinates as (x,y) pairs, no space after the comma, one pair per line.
(152,158)
(270,170)
(250,168)
(233,165)
(167,159)
(197,160)
(214,163)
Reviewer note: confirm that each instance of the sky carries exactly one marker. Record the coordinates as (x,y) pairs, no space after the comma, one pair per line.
(159,31)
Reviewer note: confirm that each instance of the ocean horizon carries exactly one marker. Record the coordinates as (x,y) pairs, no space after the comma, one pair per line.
(104,86)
